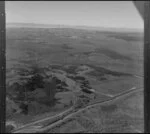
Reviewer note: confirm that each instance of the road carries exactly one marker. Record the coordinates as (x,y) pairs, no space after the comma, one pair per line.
(109,95)
(66,114)
(46,129)
(45,119)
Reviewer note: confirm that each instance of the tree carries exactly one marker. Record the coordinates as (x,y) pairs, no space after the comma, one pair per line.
(50,88)
(36,81)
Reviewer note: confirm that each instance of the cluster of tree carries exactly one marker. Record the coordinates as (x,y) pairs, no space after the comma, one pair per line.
(81,101)
(30,84)
(85,85)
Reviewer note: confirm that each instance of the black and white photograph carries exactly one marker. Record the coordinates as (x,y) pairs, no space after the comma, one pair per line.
(74,67)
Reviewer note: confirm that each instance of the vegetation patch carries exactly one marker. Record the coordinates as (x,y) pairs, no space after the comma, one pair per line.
(100,71)
(112,54)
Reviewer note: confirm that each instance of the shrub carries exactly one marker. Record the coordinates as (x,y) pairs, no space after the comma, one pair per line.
(36,81)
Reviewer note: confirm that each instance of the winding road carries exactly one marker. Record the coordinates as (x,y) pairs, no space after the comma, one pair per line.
(60,118)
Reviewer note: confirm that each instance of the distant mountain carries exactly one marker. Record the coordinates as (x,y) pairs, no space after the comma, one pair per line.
(34,25)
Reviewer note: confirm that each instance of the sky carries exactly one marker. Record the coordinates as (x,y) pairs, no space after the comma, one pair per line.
(115,14)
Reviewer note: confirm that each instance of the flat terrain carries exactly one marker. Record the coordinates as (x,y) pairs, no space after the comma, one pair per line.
(89,66)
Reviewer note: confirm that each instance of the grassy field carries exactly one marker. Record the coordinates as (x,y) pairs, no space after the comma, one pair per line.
(124,115)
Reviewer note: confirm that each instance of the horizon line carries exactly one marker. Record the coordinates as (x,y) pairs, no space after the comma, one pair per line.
(74,25)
